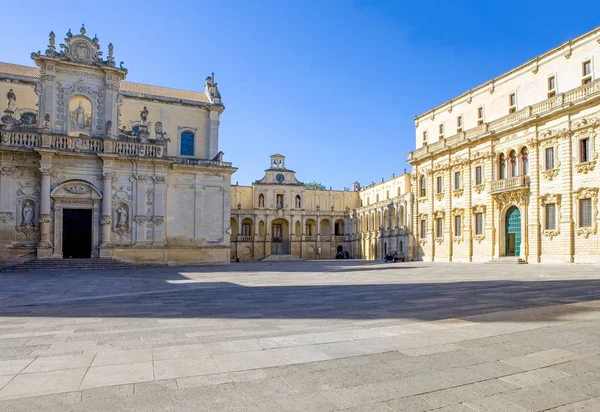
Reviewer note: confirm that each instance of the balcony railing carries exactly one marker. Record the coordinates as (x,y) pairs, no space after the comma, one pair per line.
(529,112)
(512,183)
(241,238)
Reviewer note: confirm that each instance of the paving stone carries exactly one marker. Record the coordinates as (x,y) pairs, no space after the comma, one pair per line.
(43,383)
(589,405)
(51,363)
(534,377)
(125,356)
(12,367)
(183,367)
(117,374)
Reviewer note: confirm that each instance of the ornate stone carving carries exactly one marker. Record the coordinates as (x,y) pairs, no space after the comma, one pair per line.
(122,216)
(7,170)
(586,167)
(551,233)
(479,238)
(439,196)
(141,220)
(106,220)
(458,192)
(160,180)
(77,189)
(6,217)
(457,239)
(158,220)
(140,178)
(422,241)
(45,219)
(479,188)
(518,197)
(439,240)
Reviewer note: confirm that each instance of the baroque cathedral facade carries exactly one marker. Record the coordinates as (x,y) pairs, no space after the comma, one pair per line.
(94,166)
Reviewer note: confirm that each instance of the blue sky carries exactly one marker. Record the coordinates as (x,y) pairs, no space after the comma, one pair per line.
(332,85)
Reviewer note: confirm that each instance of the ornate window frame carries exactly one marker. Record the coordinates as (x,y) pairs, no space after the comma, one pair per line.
(422,235)
(475,210)
(589,165)
(440,214)
(549,174)
(546,200)
(458,212)
(586,193)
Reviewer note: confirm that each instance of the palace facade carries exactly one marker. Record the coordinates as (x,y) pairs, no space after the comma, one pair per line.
(94,166)
(509,169)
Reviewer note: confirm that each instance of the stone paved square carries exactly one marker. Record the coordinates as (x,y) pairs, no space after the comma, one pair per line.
(302,336)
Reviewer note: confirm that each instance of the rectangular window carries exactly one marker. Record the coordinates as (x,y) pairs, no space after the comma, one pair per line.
(480,115)
(549,158)
(585,212)
(457,180)
(439,185)
(478,175)
(387,194)
(584,150)
(439,227)
(550,216)
(246,229)
(551,86)
(586,72)
(425,137)
(512,103)
(376,198)
(441,131)
(423,228)
(458,225)
(479,223)
(459,124)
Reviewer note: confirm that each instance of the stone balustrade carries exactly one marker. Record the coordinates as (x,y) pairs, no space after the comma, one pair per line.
(512,183)
(572,96)
(82,144)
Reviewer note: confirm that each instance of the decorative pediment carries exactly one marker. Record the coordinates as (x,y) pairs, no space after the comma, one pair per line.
(478,209)
(76,190)
(78,49)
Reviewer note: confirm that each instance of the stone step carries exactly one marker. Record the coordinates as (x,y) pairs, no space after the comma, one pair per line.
(67,265)
(508,260)
(280,257)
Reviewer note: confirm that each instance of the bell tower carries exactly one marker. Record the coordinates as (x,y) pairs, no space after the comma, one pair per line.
(277,161)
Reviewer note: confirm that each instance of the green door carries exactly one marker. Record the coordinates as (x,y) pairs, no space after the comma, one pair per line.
(513,232)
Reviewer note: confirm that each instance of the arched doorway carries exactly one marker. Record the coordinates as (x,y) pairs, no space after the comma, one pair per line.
(280,240)
(513,231)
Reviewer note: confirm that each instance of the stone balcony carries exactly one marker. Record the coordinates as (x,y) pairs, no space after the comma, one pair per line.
(572,97)
(510,184)
(82,144)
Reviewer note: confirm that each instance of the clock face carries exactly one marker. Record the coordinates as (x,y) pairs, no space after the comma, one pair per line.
(280,178)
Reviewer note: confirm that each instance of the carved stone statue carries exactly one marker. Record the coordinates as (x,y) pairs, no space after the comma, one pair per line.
(122,220)
(144,115)
(47,123)
(12,101)
(27,215)
(79,114)
(108,129)
(158,130)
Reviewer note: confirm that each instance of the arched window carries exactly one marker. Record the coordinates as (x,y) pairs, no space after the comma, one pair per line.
(513,164)
(502,166)
(422,186)
(524,161)
(187,144)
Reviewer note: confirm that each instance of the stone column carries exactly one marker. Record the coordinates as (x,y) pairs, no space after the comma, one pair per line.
(106,220)
(45,246)
(140,209)
(160,196)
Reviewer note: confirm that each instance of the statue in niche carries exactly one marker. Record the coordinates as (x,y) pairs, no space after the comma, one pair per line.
(27,214)
(158,131)
(297,202)
(79,114)
(122,217)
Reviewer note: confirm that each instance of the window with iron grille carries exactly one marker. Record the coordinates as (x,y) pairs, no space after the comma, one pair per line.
(457,225)
(439,227)
(478,176)
(550,216)
(585,212)
(479,223)
(423,228)
(549,158)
